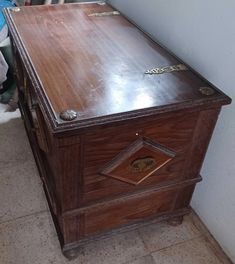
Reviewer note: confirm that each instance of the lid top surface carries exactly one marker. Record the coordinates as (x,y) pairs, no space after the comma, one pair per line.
(95,65)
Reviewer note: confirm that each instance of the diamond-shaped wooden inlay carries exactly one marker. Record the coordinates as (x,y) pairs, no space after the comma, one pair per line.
(138,161)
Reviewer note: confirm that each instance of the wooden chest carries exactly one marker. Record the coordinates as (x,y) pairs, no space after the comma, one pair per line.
(118,126)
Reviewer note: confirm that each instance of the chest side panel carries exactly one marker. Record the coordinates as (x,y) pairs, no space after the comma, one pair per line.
(103,147)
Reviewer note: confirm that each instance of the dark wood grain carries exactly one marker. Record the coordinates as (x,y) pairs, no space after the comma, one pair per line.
(129,210)
(102,145)
(96,65)
(66,59)
(202,135)
(110,211)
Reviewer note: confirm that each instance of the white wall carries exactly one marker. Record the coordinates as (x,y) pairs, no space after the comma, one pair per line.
(202,33)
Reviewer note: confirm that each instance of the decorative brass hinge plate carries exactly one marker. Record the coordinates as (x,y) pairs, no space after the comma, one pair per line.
(112,13)
(167,69)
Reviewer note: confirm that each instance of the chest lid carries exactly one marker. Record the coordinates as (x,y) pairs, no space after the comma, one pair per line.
(90,65)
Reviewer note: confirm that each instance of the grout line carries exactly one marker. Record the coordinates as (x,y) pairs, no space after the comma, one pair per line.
(215,251)
(203,233)
(145,247)
(194,237)
(176,244)
(143,241)
(24,216)
(137,258)
(211,241)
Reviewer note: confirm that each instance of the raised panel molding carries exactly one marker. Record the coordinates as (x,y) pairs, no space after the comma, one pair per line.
(138,161)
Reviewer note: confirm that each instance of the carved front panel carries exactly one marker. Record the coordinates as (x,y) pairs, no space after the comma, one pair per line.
(146,153)
(138,162)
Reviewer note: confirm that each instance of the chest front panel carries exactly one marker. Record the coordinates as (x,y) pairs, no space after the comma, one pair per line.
(115,147)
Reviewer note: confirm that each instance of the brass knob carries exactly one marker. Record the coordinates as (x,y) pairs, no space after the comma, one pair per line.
(206,91)
(68,115)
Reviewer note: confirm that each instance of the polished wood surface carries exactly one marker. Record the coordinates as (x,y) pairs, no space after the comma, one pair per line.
(96,65)
(135,152)
(134,209)
(102,146)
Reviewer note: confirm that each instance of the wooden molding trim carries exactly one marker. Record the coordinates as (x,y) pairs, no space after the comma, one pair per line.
(117,200)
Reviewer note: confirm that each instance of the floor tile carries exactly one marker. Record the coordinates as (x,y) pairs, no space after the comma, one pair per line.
(21,191)
(143,260)
(33,240)
(14,143)
(30,240)
(27,233)
(195,251)
(117,249)
(217,249)
(6,115)
(161,235)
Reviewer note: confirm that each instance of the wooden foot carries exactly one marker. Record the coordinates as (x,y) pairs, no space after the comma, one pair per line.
(175,221)
(71,254)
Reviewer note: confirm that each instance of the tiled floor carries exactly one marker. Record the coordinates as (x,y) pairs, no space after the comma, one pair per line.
(27,234)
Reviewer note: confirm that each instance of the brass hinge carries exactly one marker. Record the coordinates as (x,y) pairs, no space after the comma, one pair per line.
(112,13)
(160,70)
